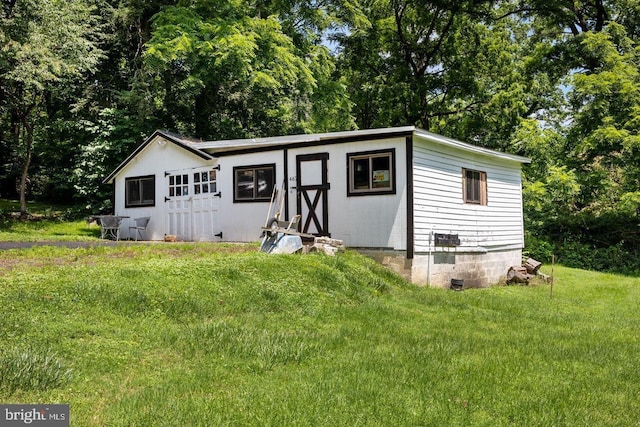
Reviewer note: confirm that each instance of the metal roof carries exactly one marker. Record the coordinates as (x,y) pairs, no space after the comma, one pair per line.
(209,150)
(311,139)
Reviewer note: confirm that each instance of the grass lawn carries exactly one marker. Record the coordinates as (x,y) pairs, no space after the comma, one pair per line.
(204,335)
(46,224)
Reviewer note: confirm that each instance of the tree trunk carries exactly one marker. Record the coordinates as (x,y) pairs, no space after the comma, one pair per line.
(28,142)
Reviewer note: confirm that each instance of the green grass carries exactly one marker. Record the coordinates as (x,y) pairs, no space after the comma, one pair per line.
(204,335)
(52,230)
(46,223)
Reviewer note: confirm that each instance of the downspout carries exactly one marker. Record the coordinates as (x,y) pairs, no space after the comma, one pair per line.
(429,258)
(285,172)
(410,219)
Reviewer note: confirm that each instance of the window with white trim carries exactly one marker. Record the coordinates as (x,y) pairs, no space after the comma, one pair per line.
(140,191)
(371,173)
(474,186)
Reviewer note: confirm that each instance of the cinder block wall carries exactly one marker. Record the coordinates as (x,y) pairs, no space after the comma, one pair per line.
(476,269)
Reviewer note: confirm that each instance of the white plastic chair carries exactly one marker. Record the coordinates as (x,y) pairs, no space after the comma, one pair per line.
(141,225)
(110,227)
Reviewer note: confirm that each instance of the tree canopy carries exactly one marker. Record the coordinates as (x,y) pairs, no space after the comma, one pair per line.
(82,82)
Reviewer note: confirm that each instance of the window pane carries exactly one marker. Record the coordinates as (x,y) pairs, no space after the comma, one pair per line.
(381,174)
(212,176)
(178,191)
(244,184)
(361,174)
(472,186)
(171,180)
(196,177)
(212,187)
(185,191)
(265,183)
(196,189)
(205,188)
(148,190)
(468,185)
(133,192)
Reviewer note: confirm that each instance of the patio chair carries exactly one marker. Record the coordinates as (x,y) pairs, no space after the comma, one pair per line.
(110,227)
(141,225)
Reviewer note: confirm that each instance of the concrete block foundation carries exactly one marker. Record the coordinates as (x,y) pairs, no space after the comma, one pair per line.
(477,269)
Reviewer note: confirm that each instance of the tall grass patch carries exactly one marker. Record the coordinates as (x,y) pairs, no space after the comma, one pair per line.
(31,369)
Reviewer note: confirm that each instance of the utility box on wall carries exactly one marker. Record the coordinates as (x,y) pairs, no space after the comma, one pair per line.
(446,239)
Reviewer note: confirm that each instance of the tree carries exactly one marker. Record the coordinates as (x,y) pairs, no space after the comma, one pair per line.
(449,67)
(228,71)
(46,44)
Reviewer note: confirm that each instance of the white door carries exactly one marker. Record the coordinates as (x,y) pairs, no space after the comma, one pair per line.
(179,204)
(313,193)
(192,204)
(205,205)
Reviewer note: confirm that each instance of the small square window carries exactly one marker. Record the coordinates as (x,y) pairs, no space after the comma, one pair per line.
(203,181)
(178,185)
(474,186)
(371,173)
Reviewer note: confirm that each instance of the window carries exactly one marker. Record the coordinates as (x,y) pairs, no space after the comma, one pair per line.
(204,182)
(253,183)
(371,173)
(178,185)
(140,191)
(474,186)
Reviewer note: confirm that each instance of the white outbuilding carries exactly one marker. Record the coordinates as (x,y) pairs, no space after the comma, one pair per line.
(432,207)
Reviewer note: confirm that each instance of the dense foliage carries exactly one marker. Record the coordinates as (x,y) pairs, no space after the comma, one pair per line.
(84,81)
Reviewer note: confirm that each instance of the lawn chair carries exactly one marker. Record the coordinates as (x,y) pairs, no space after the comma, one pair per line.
(141,225)
(110,226)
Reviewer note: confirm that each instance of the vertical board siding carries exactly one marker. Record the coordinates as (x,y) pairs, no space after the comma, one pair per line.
(155,159)
(439,206)
(374,221)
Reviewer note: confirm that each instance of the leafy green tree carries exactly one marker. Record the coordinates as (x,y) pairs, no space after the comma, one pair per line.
(227,71)
(449,67)
(604,137)
(46,44)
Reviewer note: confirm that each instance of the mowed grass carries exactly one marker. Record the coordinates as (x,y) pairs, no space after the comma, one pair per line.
(204,335)
(46,223)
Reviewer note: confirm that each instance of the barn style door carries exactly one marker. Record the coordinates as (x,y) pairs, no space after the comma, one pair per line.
(313,193)
(178,202)
(192,204)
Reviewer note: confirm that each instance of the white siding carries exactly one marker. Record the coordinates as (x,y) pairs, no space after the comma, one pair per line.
(242,221)
(377,221)
(155,159)
(438,199)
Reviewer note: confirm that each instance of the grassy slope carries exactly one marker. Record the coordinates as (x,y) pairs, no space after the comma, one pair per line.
(205,335)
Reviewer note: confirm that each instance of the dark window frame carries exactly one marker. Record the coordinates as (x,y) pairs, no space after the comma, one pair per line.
(254,168)
(477,193)
(371,191)
(139,203)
